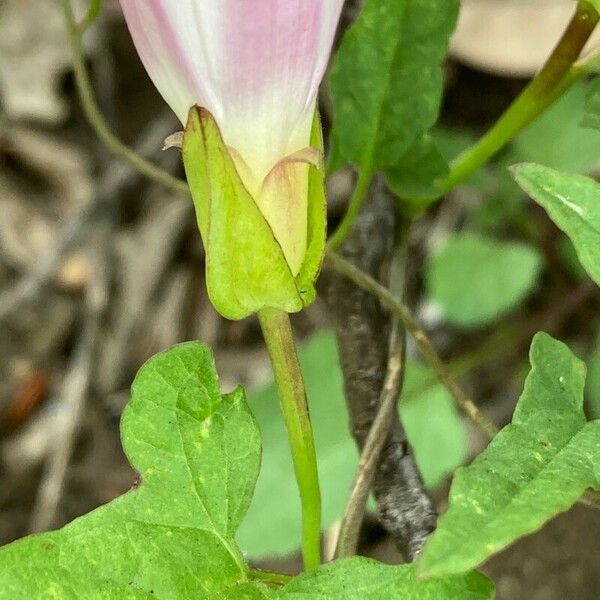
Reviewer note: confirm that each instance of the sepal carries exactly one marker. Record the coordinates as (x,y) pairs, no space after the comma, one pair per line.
(316,222)
(245,267)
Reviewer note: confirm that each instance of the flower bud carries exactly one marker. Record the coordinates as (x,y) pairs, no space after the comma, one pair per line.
(243,76)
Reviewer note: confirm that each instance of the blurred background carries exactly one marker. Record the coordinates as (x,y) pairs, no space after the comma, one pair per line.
(100,269)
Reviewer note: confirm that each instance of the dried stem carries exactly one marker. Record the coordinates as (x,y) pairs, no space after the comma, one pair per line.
(366,282)
(116,177)
(347,544)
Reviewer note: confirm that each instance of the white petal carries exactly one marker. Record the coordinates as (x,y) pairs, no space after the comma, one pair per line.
(255,64)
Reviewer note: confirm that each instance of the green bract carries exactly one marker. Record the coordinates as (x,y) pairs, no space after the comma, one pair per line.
(246,269)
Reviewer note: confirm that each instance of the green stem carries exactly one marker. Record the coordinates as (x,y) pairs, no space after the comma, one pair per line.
(547,86)
(92,14)
(94,115)
(279,338)
(360,193)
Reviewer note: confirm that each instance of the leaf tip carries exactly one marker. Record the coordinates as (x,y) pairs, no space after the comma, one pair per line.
(519,168)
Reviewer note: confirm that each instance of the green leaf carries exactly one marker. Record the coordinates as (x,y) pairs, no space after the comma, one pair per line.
(386,80)
(248,591)
(534,469)
(557,138)
(415,175)
(595,4)
(198,453)
(573,203)
(452,142)
(592,387)
(476,280)
(360,578)
(569,258)
(273,524)
(429,413)
(591,115)
(365,579)
(245,272)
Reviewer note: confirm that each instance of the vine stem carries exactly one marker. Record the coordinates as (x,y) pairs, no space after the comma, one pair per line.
(92,110)
(555,77)
(279,339)
(387,299)
(358,197)
(92,14)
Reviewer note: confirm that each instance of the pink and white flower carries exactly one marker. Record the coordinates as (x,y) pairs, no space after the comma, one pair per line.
(256,65)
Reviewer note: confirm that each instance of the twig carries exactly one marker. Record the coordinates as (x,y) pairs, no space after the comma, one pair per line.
(366,282)
(72,396)
(347,543)
(362,324)
(117,176)
(508,339)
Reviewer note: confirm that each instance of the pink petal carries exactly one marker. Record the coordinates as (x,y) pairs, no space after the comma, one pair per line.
(162,53)
(255,64)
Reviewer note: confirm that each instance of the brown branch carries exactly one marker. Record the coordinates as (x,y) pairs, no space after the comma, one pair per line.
(363,325)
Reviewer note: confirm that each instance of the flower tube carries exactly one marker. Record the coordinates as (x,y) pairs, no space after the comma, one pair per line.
(243,77)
